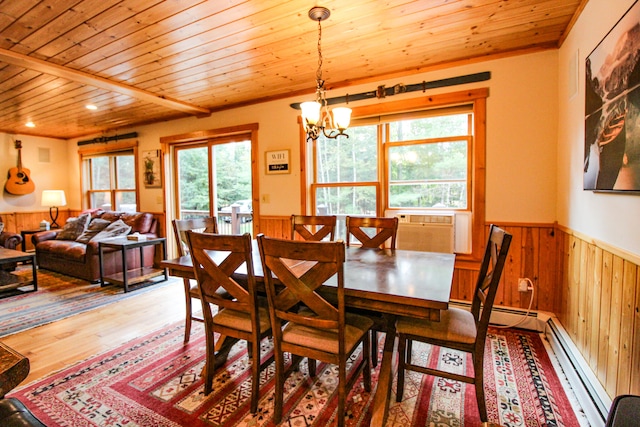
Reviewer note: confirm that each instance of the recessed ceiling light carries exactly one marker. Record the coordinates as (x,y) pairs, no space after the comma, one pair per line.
(30,124)
(91,107)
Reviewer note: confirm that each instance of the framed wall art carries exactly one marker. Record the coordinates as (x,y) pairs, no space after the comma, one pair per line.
(152,172)
(278,162)
(612,109)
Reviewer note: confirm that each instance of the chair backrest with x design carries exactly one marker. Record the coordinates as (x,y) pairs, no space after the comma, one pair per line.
(313,227)
(303,322)
(216,258)
(180,229)
(372,232)
(493,260)
(301,268)
(181,226)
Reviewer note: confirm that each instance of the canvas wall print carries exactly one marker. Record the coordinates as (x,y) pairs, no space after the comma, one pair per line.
(612,109)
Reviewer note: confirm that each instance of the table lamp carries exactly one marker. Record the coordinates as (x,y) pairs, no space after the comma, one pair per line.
(52,199)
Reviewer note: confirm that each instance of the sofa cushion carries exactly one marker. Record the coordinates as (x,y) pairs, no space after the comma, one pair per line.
(110,216)
(67,249)
(115,229)
(140,222)
(74,228)
(95,226)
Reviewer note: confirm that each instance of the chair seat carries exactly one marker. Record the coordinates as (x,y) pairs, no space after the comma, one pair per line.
(327,339)
(242,321)
(455,325)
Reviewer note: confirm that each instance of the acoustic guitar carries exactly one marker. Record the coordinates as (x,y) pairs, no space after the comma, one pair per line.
(18,180)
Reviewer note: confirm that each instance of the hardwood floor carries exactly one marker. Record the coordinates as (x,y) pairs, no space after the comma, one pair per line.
(57,345)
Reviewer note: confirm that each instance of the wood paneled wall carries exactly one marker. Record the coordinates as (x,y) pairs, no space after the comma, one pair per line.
(600,308)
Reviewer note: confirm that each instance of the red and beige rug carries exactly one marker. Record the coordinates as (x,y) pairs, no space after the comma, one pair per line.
(155,381)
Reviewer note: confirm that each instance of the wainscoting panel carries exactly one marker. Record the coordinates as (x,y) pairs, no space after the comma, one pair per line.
(600,310)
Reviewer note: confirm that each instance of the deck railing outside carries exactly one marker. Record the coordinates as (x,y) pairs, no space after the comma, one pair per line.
(228,223)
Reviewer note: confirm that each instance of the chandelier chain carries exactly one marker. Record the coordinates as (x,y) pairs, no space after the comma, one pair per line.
(319,80)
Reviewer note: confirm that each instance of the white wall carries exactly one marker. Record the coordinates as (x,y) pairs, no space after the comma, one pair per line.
(611,218)
(51,175)
(521,140)
(521,137)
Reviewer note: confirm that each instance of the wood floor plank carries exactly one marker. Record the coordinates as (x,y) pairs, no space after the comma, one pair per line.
(54,346)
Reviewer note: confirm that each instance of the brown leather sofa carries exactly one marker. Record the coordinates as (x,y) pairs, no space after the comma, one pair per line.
(9,240)
(81,260)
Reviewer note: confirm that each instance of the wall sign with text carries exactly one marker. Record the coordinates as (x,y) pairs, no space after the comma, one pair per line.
(278,162)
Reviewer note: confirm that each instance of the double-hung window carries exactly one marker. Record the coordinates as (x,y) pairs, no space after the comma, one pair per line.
(420,156)
(109,179)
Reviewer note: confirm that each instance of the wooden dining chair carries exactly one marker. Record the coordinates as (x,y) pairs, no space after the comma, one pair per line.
(313,227)
(373,233)
(303,322)
(239,313)
(180,228)
(459,329)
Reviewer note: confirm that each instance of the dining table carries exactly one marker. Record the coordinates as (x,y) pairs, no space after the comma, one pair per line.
(391,282)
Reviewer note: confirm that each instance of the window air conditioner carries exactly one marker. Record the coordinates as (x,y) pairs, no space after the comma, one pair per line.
(428,233)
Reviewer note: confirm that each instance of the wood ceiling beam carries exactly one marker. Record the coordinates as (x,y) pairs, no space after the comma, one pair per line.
(60,71)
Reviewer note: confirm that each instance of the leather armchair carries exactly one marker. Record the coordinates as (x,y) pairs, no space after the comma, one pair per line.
(10,240)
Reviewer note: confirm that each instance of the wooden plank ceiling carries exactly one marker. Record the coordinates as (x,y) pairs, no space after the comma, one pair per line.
(144,61)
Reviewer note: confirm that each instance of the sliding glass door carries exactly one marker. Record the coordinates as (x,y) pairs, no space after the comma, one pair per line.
(214,179)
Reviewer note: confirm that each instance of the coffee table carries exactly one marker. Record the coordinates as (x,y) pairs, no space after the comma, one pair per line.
(10,281)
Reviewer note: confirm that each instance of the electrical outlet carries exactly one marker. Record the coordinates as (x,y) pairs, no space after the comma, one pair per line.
(523,285)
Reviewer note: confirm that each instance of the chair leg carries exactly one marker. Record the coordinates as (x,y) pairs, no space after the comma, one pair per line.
(402,348)
(188,314)
(279,390)
(366,374)
(209,366)
(374,348)
(342,392)
(478,363)
(255,377)
(311,364)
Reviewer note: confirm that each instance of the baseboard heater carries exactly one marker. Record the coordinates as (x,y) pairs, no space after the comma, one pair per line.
(592,397)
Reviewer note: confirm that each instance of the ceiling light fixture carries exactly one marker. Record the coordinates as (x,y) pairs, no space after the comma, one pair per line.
(91,107)
(315,114)
(30,124)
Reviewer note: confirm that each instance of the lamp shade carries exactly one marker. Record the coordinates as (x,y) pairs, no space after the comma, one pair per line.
(310,112)
(341,117)
(53,198)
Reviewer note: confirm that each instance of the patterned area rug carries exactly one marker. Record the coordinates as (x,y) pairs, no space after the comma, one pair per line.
(58,296)
(155,381)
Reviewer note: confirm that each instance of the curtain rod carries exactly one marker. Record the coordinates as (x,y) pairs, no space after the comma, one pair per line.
(382,91)
(105,139)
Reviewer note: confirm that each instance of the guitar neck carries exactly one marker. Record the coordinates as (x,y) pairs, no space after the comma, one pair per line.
(18,145)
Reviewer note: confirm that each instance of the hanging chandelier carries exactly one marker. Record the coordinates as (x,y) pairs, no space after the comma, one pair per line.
(315,114)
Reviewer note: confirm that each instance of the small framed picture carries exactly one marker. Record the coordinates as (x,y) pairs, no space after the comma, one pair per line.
(278,162)
(152,172)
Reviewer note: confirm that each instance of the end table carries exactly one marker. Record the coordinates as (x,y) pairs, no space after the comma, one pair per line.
(138,275)
(24,234)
